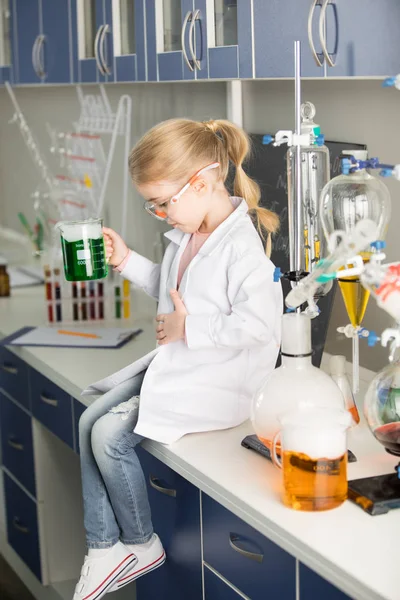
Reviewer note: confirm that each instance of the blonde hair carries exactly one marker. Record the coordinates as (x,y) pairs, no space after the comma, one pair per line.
(177,148)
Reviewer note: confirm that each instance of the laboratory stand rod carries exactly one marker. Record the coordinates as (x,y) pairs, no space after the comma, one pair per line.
(298,196)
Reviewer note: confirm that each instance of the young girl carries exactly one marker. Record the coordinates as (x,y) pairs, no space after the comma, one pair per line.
(218,332)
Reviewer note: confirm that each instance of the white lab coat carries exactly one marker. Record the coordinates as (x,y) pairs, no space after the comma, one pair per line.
(233,332)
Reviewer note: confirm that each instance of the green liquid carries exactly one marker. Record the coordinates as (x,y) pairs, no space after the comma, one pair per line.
(84,260)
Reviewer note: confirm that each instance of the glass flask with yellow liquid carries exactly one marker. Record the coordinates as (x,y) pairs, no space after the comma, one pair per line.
(296,384)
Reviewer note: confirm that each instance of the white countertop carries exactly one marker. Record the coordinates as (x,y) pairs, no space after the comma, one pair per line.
(356,552)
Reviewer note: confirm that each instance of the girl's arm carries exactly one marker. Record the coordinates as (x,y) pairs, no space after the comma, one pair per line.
(142,272)
(256,305)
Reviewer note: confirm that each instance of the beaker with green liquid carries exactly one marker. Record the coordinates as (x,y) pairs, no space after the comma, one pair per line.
(83,250)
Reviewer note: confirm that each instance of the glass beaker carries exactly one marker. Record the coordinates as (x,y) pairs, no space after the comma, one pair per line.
(313,458)
(83,249)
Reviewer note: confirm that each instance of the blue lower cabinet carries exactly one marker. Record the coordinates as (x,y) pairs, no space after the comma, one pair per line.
(16,443)
(14,377)
(79,408)
(252,563)
(216,588)
(52,407)
(22,525)
(312,586)
(175,508)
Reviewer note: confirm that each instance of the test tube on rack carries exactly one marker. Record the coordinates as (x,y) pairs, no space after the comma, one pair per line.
(92,311)
(75,309)
(100,294)
(126,292)
(57,294)
(49,293)
(83,302)
(117,293)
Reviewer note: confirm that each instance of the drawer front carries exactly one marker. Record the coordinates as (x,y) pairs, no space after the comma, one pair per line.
(251,562)
(216,589)
(313,586)
(79,408)
(16,442)
(14,377)
(175,511)
(52,407)
(22,525)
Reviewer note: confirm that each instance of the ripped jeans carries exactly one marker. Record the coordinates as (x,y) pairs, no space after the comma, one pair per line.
(115,498)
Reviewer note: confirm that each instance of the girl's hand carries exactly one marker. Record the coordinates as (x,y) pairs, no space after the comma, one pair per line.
(116,249)
(171,328)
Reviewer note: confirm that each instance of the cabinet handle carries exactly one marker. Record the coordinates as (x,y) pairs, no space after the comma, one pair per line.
(19,527)
(96,50)
(15,445)
(155,483)
(102,40)
(322,32)
(252,555)
(35,56)
(184,25)
(9,369)
(310,35)
(40,60)
(195,17)
(50,401)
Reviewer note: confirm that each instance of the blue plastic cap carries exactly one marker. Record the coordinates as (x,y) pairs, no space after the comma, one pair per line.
(346,166)
(290,310)
(267,139)
(372,339)
(386,173)
(379,244)
(320,139)
(277,274)
(389,82)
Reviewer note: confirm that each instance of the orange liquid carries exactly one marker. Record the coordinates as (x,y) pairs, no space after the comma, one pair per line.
(355,296)
(354,413)
(313,484)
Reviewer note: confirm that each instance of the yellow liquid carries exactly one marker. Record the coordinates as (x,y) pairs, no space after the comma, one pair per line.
(313,484)
(355,297)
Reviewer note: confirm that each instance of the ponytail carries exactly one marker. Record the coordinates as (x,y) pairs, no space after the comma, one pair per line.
(237,145)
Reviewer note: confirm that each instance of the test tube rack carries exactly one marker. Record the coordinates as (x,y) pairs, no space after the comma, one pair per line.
(84,302)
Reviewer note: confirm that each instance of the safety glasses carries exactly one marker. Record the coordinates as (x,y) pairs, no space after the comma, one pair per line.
(158,210)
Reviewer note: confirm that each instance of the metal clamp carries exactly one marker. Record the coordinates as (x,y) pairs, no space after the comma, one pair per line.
(322,32)
(106,69)
(155,483)
(50,401)
(19,527)
(8,369)
(96,50)
(310,34)
(233,537)
(184,25)
(15,445)
(195,17)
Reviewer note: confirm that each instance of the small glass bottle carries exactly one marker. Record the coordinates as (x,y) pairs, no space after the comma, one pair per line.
(337,368)
(4,279)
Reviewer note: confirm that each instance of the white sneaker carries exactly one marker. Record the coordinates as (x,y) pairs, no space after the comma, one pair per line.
(148,559)
(99,574)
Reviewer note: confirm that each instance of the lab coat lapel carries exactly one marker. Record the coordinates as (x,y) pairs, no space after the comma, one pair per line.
(181,239)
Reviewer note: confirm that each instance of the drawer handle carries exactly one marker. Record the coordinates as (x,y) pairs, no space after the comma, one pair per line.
(252,555)
(155,483)
(50,401)
(15,445)
(9,369)
(184,25)
(19,527)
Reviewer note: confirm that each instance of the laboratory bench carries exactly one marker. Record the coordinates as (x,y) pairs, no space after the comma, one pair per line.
(215,504)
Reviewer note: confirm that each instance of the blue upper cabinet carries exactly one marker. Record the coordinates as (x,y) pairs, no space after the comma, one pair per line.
(365,35)
(168,29)
(54,54)
(128,17)
(6,22)
(29,44)
(277,25)
(93,41)
(225,33)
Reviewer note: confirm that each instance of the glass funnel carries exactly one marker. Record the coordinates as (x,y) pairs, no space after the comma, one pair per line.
(382,407)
